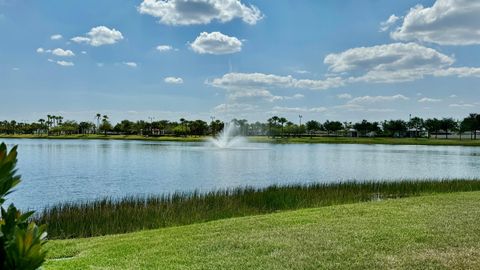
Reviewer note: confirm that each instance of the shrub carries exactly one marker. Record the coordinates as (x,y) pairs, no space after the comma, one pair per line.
(21,241)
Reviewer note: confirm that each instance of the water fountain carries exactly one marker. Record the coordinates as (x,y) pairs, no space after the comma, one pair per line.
(229,137)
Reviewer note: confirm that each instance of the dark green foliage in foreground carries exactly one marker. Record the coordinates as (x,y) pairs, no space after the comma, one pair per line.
(21,242)
(132,214)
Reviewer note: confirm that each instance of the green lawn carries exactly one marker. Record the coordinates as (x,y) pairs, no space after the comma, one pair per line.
(429,232)
(264,139)
(106,137)
(348,140)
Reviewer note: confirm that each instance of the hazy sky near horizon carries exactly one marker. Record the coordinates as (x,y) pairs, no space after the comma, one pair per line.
(337,60)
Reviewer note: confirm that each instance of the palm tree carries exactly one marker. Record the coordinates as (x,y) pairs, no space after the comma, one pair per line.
(275,119)
(106,126)
(54,120)
(282,121)
(42,124)
(183,122)
(270,124)
(98,119)
(59,119)
(49,122)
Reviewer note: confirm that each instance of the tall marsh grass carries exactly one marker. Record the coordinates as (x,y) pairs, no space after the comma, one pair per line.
(110,216)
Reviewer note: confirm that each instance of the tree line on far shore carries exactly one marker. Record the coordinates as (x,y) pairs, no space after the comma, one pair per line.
(274,127)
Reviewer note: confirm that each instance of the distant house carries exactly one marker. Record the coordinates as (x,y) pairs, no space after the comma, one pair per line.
(415,132)
(352,132)
(158,132)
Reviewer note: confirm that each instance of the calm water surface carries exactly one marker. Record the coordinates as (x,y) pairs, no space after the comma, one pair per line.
(56,171)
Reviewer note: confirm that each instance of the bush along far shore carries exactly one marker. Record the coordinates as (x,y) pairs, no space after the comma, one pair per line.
(115,216)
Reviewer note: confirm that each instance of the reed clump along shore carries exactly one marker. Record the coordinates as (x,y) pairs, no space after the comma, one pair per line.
(115,216)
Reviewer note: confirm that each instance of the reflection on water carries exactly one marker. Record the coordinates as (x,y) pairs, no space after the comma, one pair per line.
(65,170)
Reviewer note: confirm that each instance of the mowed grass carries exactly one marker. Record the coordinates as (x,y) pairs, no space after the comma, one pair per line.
(107,137)
(103,217)
(265,139)
(376,140)
(429,232)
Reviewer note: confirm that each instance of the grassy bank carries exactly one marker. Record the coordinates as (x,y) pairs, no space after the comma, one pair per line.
(264,139)
(348,140)
(428,232)
(132,214)
(107,137)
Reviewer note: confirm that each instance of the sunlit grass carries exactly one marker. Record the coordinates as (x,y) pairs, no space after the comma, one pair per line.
(374,140)
(265,139)
(130,214)
(426,232)
(106,137)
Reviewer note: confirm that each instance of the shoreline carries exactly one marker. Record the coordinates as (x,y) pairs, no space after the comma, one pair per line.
(371,235)
(106,216)
(263,139)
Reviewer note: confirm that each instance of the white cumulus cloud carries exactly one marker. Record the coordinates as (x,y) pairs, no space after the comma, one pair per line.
(173,80)
(459,72)
(130,64)
(388,63)
(446,22)
(216,43)
(257,95)
(164,48)
(280,109)
(235,108)
(62,53)
(376,99)
(259,80)
(42,50)
(65,63)
(395,62)
(56,37)
(301,71)
(100,35)
(429,100)
(187,12)
(384,26)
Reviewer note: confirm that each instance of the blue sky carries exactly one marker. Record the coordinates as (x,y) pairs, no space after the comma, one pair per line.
(340,60)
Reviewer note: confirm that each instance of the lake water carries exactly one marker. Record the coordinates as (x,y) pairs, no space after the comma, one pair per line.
(56,171)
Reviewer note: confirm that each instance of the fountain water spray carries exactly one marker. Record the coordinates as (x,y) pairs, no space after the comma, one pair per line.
(229,137)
